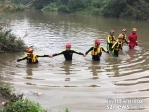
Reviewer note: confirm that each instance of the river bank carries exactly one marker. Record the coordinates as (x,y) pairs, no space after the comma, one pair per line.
(133,9)
(12,102)
(82,85)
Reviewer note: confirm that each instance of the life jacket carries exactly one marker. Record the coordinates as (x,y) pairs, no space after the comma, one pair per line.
(112,39)
(31,58)
(118,46)
(98,50)
(124,37)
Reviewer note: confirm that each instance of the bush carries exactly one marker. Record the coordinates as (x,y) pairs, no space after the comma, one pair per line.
(139,10)
(7,6)
(73,5)
(51,7)
(16,103)
(63,8)
(114,8)
(23,106)
(9,42)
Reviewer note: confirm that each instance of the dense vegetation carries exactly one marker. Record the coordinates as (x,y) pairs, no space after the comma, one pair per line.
(137,9)
(8,41)
(16,103)
(7,6)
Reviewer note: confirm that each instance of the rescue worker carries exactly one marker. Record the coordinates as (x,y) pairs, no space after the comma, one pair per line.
(68,53)
(117,46)
(133,39)
(110,40)
(30,56)
(124,40)
(96,51)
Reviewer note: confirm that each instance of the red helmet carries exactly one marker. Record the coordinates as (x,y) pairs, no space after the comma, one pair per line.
(112,31)
(124,30)
(29,50)
(120,37)
(68,45)
(97,42)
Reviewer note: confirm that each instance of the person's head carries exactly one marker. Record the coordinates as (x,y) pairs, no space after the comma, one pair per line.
(124,31)
(29,52)
(134,30)
(120,38)
(97,42)
(68,46)
(112,32)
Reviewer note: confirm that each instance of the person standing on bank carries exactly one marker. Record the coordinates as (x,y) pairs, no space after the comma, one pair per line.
(133,39)
(68,53)
(110,40)
(96,51)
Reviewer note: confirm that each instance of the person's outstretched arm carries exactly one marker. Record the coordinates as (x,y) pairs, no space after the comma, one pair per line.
(104,50)
(20,59)
(77,52)
(136,39)
(56,54)
(42,55)
(89,50)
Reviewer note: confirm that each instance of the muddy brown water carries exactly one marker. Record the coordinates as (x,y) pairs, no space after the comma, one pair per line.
(80,85)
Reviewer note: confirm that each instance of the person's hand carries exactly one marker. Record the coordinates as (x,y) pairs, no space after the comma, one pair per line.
(84,55)
(50,56)
(15,61)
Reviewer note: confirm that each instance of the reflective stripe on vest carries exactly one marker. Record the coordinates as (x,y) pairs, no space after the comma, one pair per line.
(112,39)
(118,46)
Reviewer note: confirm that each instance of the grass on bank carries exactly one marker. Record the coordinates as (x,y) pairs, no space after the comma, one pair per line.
(16,103)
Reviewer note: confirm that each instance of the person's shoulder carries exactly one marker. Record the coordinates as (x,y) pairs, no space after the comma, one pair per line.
(121,34)
(71,50)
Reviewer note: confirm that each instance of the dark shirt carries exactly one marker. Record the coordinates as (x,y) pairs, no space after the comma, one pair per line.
(68,54)
(96,57)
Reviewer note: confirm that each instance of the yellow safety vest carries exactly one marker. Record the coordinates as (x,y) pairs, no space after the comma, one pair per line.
(124,37)
(99,50)
(112,40)
(34,58)
(118,46)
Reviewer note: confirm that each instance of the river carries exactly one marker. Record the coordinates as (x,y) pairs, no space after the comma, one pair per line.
(81,85)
